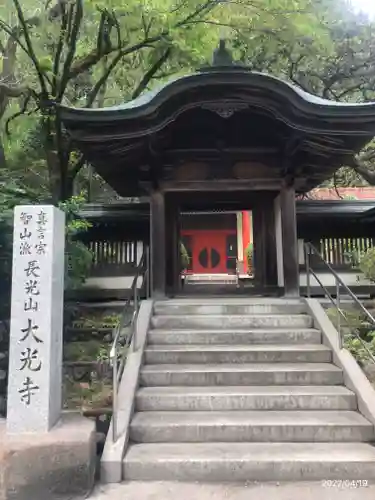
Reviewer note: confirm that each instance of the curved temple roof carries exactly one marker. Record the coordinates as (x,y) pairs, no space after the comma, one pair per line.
(121,140)
(278,89)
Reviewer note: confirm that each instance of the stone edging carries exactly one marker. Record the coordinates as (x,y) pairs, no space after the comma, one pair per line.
(113,454)
(354,377)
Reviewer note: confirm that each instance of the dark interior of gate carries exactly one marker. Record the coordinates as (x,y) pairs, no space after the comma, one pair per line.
(223,139)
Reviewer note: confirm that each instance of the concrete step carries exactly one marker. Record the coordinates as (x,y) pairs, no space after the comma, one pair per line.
(220,462)
(210,276)
(228,280)
(241,374)
(284,353)
(229,299)
(245,398)
(213,322)
(225,307)
(235,336)
(250,426)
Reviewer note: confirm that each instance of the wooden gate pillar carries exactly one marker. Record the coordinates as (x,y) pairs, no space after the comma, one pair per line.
(290,243)
(158,244)
(259,250)
(172,229)
(265,258)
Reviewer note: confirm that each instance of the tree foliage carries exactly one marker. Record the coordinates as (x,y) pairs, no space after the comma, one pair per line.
(97,53)
(84,54)
(366,264)
(334,59)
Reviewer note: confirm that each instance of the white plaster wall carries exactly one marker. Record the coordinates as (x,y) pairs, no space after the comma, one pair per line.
(349,278)
(139,251)
(116,282)
(112,283)
(301,252)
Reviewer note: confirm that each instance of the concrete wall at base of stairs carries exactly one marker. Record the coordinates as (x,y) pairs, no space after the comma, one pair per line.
(113,453)
(354,377)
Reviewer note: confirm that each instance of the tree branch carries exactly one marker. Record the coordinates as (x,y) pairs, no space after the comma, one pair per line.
(59,49)
(3,160)
(22,111)
(102,80)
(30,47)
(73,39)
(363,171)
(12,90)
(94,56)
(151,72)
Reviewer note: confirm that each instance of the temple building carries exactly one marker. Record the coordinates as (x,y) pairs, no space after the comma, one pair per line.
(232,147)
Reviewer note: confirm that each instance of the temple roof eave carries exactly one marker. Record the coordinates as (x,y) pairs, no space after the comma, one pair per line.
(120,141)
(281,90)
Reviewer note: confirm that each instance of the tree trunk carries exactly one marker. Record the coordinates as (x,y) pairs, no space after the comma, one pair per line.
(3,160)
(60,182)
(67,188)
(363,171)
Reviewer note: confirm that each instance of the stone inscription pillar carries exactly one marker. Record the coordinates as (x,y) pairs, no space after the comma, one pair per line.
(35,350)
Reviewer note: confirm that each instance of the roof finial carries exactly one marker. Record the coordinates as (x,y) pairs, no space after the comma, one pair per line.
(222,56)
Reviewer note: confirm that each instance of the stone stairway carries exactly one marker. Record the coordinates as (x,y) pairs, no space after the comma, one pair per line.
(243,390)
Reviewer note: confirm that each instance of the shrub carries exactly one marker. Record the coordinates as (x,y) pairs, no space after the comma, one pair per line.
(356,347)
(185,259)
(249,255)
(366,264)
(78,258)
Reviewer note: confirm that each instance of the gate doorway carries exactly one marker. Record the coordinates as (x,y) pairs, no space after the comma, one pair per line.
(211,251)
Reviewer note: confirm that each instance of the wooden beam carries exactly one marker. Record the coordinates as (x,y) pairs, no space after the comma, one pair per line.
(196,152)
(290,244)
(224,185)
(158,244)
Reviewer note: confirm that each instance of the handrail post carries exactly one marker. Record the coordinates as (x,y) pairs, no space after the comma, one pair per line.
(114,354)
(145,276)
(337,303)
(338,306)
(147,273)
(307,265)
(114,396)
(134,321)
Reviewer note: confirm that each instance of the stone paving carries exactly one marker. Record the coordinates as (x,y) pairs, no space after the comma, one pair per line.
(191,491)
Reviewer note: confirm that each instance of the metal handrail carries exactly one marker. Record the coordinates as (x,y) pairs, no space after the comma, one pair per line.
(311,250)
(131,339)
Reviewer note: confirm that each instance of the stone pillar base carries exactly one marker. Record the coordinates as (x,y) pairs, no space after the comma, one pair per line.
(51,465)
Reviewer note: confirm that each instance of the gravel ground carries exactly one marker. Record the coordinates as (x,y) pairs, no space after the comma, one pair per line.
(191,491)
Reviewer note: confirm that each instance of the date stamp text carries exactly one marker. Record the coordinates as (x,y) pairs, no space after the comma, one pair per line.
(345,483)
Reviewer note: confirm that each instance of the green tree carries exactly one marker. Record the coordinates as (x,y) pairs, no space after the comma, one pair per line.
(101,53)
(87,55)
(335,60)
